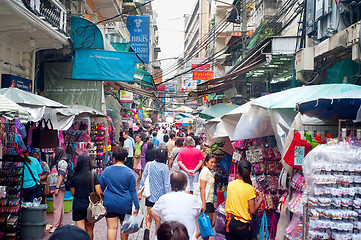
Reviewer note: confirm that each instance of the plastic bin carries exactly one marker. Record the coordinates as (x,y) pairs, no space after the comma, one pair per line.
(34,214)
(67,203)
(32,230)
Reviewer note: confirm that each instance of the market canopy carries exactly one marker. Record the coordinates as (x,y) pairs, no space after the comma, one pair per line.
(34,104)
(9,109)
(339,106)
(183,122)
(273,114)
(184,109)
(217,110)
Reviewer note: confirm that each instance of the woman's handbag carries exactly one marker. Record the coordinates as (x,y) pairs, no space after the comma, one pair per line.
(45,185)
(96,209)
(146,187)
(39,187)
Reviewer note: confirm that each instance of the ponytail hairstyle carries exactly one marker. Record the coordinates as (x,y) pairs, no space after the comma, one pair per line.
(172,231)
(209,157)
(244,171)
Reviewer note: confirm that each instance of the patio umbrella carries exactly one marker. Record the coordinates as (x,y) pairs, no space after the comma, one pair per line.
(183,122)
(339,106)
(178,117)
(9,109)
(184,109)
(148,120)
(217,110)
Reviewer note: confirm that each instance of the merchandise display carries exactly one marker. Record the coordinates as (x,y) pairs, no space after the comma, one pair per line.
(333,192)
(99,138)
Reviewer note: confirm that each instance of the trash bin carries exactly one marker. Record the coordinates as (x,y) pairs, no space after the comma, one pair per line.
(34,214)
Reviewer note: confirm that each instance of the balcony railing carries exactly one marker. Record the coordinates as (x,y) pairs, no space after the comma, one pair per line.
(50,11)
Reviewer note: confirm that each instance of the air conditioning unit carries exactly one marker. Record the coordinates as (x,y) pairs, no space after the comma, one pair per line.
(304,59)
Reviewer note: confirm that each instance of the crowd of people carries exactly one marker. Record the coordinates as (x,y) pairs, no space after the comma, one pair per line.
(174,163)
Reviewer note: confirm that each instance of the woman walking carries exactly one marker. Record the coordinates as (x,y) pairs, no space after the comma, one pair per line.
(159,179)
(81,187)
(241,204)
(143,153)
(56,179)
(137,154)
(32,170)
(150,154)
(119,186)
(173,162)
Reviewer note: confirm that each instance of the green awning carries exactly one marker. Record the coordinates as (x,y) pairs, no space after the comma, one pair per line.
(121,47)
(143,78)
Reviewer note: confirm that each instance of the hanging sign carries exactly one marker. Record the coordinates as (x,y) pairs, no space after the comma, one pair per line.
(202,75)
(125,97)
(138,27)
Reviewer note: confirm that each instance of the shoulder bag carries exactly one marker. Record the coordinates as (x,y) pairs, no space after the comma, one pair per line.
(146,187)
(96,209)
(39,187)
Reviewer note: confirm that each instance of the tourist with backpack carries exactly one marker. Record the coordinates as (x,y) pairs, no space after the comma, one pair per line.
(60,171)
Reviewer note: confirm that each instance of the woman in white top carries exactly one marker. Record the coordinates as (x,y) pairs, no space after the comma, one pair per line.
(206,185)
(173,161)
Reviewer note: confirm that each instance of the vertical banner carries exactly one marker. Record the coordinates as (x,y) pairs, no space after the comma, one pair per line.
(138,27)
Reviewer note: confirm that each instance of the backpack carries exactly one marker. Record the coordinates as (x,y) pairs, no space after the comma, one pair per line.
(70,171)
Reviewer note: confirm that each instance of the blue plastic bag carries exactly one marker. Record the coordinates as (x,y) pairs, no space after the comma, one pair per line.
(205,226)
(226,162)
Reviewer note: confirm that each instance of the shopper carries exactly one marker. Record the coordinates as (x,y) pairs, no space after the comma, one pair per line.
(173,162)
(159,181)
(68,232)
(46,170)
(56,179)
(164,142)
(32,171)
(155,140)
(150,154)
(129,145)
(190,160)
(241,204)
(172,231)
(137,154)
(178,205)
(144,149)
(171,143)
(119,186)
(206,185)
(81,187)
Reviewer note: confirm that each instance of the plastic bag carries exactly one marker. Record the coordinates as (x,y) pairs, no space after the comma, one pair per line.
(220,224)
(220,236)
(205,225)
(132,223)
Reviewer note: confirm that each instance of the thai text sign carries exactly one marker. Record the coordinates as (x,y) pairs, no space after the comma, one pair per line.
(125,97)
(138,27)
(200,67)
(202,75)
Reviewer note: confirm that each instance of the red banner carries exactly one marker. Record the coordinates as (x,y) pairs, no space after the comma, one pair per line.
(200,67)
(202,75)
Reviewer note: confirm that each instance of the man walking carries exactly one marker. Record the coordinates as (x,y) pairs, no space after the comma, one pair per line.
(190,160)
(171,143)
(129,144)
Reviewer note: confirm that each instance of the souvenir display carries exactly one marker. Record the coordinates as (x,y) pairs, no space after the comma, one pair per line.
(333,180)
(98,155)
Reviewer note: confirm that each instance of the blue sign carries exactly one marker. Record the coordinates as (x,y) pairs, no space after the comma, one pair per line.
(138,27)
(8,80)
(101,65)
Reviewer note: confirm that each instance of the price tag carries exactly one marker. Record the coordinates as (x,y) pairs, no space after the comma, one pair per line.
(236,156)
(299,155)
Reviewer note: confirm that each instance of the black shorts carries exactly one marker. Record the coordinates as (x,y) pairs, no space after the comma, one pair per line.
(79,214)
(120,216)
(148,203)
(209,208)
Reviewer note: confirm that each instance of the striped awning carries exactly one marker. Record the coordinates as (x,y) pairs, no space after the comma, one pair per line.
(11,110)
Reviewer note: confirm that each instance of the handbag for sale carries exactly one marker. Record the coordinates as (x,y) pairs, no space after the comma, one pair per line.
(233,173)
(96,209)
(297,151)
(263,232)
(48,136)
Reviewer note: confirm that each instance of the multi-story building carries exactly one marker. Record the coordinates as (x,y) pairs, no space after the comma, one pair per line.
(27,27)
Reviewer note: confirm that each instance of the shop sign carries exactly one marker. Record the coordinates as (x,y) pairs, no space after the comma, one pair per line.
(9,80)
(158,76)
(138,27)
(202,75)
(161,87)
(125,97)
(200,67)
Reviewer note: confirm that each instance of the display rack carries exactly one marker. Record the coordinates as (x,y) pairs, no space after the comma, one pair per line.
(11,182)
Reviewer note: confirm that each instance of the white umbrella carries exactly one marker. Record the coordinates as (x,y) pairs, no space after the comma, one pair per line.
(10,110)
(184,109)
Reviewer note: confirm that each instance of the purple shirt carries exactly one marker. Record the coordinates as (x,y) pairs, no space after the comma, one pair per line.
(142,155)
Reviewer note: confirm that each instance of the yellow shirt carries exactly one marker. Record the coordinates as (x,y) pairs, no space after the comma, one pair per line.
(238,194)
